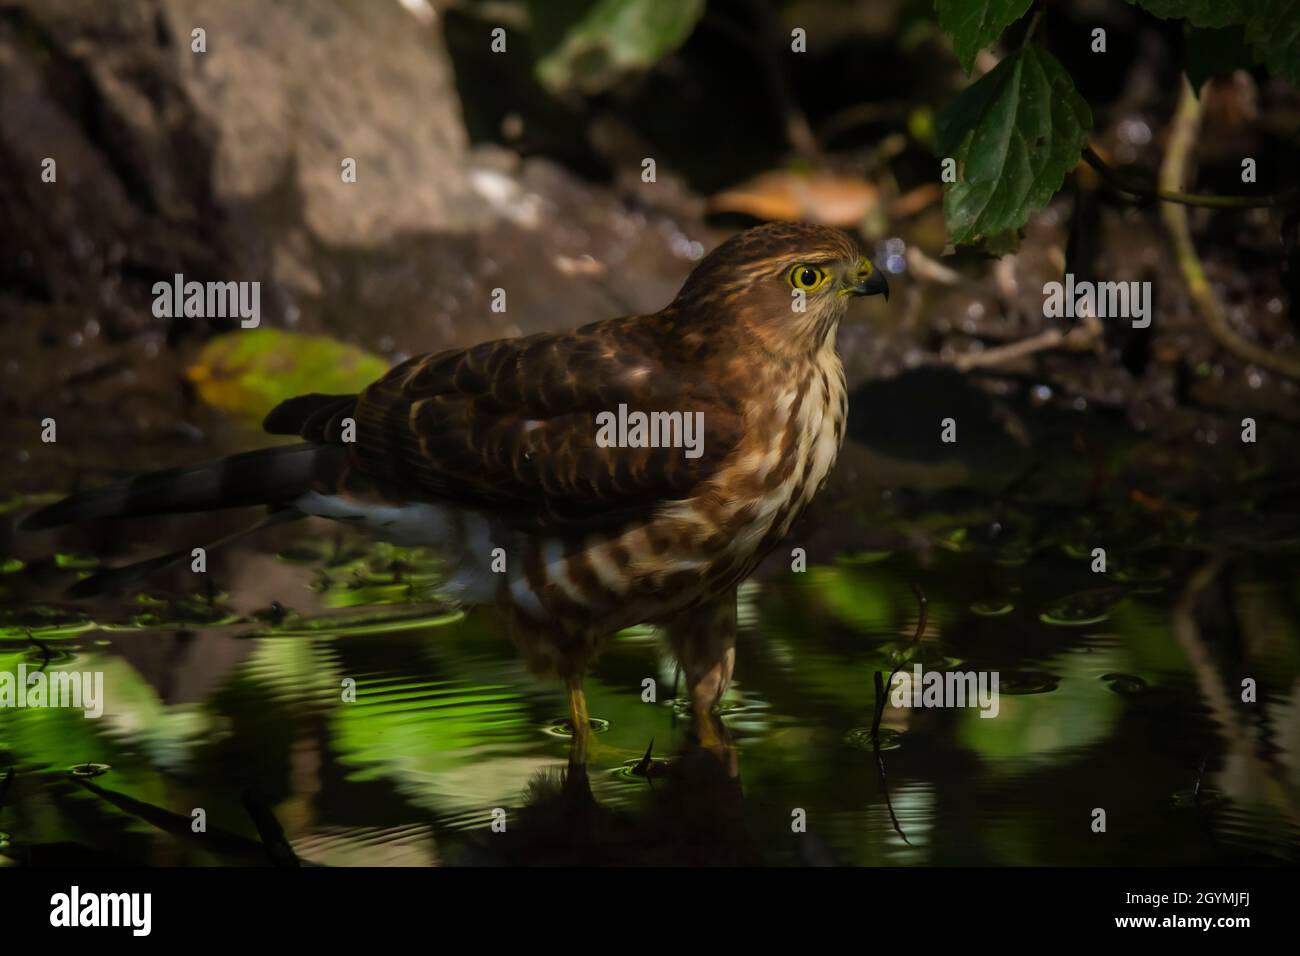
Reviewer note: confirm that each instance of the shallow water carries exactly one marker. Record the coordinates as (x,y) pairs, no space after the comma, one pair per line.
(1119,692)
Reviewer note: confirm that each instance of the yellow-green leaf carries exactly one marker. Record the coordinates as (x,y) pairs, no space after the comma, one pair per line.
(588,45)
(247,373)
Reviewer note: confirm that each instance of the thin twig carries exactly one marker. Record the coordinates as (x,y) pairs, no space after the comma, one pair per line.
(45,649)
(1033,25)
(1182,136)
(1135,192)
(1077,339)
(646,765)
(889,803)
(882,689)
(1256,776)
(923,606)
(923,267)
(923,612)
(860,114)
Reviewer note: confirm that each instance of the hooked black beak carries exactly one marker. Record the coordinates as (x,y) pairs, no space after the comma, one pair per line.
(873,284)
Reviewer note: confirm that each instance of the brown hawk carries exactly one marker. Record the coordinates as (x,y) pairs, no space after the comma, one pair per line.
(633,471)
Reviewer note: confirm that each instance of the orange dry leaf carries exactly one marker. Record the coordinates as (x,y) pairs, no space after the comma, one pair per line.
(828,198)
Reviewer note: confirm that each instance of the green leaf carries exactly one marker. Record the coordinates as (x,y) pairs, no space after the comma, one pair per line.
(975,24)
(1015,133)
(588,45)
(1199,13)
(1274,31)
(247,373)
(1272,26)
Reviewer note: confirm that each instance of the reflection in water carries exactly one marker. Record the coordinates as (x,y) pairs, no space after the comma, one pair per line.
(368,725)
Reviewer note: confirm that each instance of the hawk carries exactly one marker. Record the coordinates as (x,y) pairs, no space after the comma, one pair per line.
(730,404)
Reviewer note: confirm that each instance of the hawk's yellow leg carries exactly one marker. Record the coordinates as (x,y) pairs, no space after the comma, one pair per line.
(704,640)
(578,720)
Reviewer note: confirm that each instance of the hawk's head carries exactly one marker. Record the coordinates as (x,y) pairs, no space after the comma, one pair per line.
(786,284)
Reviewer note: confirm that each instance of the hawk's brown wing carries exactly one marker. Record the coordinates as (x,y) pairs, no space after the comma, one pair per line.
(511,426)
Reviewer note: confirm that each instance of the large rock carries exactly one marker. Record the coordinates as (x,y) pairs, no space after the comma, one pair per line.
(225,165)
(300,85)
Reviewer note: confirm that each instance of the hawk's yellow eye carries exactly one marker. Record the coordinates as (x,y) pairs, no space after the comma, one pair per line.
(808,278)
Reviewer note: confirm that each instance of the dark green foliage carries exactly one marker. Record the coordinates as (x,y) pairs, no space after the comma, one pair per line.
(975,24)
(1015,133)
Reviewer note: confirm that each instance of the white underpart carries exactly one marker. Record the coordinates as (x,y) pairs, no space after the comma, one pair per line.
(524,597)
(825,448)
(766,460)
(816,428)
(605,570)
(556,571)
(469,580)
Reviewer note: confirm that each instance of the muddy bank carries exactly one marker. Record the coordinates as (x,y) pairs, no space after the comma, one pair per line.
(225,165)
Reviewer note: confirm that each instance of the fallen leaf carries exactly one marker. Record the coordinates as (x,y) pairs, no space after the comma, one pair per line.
(247,373)
(831,199)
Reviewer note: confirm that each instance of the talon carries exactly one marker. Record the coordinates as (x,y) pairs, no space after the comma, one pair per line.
(708,734)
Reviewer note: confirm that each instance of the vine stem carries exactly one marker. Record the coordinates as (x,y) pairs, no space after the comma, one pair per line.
(1033,25)
(1182,136)
(1136,193)
(1288,198)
